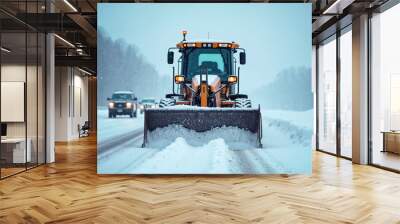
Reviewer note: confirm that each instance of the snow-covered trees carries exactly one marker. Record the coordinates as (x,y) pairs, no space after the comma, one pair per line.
(122,67)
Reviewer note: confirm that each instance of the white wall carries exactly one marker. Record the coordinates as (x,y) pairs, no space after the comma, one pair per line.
(62,82)
(71,102)
(80,105)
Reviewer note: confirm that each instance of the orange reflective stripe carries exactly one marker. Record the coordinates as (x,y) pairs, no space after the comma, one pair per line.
(204,95)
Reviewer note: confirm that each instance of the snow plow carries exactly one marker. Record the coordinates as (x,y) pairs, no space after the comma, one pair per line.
(205,94)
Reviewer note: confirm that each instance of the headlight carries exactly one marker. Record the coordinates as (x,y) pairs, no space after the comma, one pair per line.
(232,79)
(141,106)
(179,79)
(111,105)
(129,105)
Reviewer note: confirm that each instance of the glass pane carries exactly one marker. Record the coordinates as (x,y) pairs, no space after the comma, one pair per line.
(327,96)
(386,89)
(32,96)
(13,79)
(346,94)
(23,87)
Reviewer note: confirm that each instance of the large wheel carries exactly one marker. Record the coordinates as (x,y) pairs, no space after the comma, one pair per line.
(242,103)
(167,102)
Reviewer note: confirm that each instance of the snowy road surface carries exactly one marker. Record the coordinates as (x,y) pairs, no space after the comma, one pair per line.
(286,147)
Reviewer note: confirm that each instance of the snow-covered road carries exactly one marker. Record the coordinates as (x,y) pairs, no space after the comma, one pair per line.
(287,148)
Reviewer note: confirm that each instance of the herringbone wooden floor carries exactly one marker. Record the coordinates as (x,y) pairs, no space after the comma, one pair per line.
(70,191)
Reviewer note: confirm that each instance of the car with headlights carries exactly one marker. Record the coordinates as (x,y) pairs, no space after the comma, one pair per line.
(122,103)
(147,103)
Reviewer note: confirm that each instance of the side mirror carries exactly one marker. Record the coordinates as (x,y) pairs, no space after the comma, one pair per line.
(170,57)
(135,98)
(108,98)
(242,58)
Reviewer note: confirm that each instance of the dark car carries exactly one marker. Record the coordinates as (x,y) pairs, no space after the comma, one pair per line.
(147,103)
(122,103)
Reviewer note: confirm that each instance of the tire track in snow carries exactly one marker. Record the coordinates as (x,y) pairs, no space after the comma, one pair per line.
(141,157)
(267,160)
(245,165)
(111,146)
(252,162)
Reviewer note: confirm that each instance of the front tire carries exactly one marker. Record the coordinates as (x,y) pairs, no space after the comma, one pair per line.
(167,102)
(243,103)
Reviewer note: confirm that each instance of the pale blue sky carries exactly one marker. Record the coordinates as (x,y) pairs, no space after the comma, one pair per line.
(275,36)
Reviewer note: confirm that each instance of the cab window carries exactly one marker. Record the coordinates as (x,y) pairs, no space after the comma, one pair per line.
(122,97)
(214,61)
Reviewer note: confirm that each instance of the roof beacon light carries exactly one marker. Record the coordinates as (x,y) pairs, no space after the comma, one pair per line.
(184,35)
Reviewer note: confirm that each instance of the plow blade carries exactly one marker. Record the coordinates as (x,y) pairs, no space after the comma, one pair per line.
(202,120)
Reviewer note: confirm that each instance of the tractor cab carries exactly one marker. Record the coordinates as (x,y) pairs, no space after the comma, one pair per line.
(209,62)
(206,60)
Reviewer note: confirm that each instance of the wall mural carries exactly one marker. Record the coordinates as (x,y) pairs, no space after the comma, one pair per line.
(204,88)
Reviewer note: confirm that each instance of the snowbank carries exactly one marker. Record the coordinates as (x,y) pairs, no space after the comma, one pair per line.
(181,157)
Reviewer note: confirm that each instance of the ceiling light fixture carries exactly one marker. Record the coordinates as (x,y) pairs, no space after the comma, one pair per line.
(5,50)
(84,71)
(79,51)
(64,40)
(337,7)
(70,5)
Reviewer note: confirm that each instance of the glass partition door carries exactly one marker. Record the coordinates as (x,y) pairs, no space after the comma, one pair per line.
(22,77)
(14,153)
